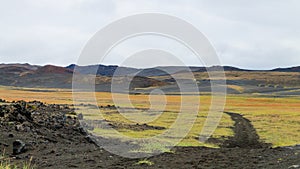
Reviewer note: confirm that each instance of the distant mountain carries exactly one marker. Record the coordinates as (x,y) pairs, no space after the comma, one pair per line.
(156,71)
(218,68)
(102,69)
(25,75)
(51,76)
(14,69)
(50,69)
(19,66)
(110,70)
(291,69)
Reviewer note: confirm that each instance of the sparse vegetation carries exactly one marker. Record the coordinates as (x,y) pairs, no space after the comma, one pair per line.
(269,115)
(5,163)
(145,162)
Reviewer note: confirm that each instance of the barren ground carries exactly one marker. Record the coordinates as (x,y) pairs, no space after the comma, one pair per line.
(54,139)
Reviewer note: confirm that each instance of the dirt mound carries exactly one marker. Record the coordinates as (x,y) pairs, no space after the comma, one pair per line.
(245,135)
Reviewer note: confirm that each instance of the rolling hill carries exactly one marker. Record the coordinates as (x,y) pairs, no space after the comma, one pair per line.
(282,81)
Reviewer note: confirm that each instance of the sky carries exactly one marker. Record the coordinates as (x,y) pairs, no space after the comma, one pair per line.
(257,34)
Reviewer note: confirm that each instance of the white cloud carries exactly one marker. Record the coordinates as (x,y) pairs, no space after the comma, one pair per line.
(250,34)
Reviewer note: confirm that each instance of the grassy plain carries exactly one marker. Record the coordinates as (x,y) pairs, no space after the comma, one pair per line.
(277,120)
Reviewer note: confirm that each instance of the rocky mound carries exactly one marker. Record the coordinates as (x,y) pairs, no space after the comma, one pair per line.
(39,131)
(32,115)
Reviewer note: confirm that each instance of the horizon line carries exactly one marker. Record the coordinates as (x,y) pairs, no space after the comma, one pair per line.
(105,64)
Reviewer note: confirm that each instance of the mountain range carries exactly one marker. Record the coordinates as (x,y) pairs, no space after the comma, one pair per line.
(241,80)
(109,70)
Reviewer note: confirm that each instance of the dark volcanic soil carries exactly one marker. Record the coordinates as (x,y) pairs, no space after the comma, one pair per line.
(245,135)
(54,139)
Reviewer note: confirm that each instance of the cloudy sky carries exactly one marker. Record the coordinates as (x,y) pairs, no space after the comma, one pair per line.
(257,34)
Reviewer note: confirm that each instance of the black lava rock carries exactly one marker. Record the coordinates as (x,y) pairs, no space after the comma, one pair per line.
(18,147)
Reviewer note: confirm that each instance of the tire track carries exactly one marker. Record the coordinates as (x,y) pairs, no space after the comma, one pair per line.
(245,135)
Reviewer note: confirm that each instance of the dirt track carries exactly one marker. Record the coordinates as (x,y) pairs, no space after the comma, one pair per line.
(245,135)
(55,140)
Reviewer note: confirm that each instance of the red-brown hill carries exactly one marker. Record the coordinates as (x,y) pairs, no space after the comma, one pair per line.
(53,69)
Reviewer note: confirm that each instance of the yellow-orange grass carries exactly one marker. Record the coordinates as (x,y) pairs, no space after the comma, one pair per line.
(277,120)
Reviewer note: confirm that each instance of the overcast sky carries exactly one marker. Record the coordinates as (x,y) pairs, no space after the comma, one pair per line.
(257,34)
